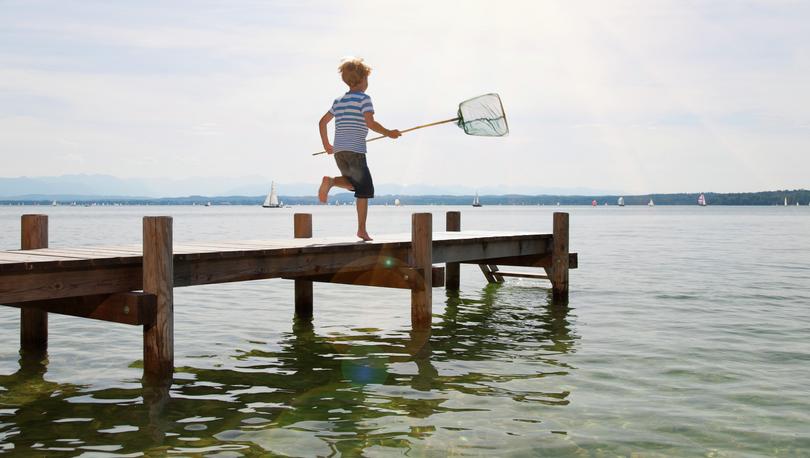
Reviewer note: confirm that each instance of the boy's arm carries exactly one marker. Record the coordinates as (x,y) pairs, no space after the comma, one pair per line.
(322,128)
(377,127)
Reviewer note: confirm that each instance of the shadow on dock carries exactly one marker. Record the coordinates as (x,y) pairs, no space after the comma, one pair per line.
(318,394)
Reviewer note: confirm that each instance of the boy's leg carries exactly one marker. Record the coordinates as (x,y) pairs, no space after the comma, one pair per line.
(328,182)
(362,214)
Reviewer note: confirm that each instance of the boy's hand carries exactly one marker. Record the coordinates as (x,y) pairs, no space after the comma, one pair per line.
(394,133)
(329,149)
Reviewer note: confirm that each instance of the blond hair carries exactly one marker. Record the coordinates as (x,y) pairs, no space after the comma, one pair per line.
(353,70)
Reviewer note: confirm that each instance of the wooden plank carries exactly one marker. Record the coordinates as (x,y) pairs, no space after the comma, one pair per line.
(526,261)
(33,322)
(131,308)
(421,259)
(158,279)
(523,275)
(397,277)
(35,285)
(462,250)
(487,273)
(495,273)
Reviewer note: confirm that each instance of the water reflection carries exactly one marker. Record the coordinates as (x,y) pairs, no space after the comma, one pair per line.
(363,389)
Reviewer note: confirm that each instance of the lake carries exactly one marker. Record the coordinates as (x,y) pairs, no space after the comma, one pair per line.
(687,333)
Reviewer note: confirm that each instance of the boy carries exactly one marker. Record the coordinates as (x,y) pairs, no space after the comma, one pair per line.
(354,116)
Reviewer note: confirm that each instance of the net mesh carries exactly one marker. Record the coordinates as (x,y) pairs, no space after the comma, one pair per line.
(483,116)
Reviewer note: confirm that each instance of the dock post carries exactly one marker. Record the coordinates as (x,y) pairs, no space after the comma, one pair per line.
(559,258)
(421,259)
(33,322)
(158,279)
(451,269)
(302,227)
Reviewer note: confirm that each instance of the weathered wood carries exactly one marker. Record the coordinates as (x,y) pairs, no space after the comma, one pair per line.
(543,260)
(559,258)
(452,269)
(49,280)
(523,275)
(133,308)
(158,279)
(396,277)
(496,273)
(421,259)
(33,322)
(302,229)
(487,274)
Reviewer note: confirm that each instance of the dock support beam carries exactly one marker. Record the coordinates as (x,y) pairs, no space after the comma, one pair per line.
(302,227)
(33,321)
(421,259)
(451,269)
(158,279)
(559,258)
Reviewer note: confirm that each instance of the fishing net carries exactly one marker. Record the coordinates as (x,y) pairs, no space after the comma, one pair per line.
(483,116)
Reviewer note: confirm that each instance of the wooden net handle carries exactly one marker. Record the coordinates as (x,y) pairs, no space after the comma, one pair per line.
(404,131)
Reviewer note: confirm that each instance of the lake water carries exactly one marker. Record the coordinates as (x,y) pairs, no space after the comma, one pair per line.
(687,334)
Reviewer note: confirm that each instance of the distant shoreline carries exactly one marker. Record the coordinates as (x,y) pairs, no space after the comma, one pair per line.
(763,198)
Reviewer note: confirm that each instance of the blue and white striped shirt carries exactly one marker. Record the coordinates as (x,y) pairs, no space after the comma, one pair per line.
(350,122)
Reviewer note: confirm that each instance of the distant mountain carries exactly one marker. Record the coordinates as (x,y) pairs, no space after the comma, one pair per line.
(800,196)
(106,185)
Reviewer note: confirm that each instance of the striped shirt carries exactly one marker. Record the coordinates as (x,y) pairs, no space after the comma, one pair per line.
(350,123)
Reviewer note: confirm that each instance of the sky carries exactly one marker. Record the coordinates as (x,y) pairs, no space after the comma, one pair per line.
(639,96)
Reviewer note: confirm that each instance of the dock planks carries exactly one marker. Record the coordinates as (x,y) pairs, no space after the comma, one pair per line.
(104,282)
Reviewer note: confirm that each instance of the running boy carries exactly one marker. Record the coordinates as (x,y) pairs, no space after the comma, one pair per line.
(354,116)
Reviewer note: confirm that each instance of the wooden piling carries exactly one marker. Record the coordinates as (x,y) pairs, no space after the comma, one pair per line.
(452,270)
(559,258)
(33,321)
(158,279)
(302,228)
(421,259)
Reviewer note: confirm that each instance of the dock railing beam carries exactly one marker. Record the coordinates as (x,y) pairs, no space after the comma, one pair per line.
(452,270)
(158,279)
(421,259)
(559,258)
(302,228)
(33,322)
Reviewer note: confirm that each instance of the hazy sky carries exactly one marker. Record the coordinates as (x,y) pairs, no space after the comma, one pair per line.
(633,96)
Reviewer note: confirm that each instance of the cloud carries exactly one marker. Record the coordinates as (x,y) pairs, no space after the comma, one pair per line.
(625,95)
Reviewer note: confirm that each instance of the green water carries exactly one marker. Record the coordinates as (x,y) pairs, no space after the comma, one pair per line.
(686,335)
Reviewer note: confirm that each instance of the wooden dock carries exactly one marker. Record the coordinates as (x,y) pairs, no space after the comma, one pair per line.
(134,284)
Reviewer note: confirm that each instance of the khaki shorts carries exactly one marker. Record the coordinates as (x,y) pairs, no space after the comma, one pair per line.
(354,168)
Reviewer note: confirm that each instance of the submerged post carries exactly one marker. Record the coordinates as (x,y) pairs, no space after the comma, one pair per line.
(33,322)
(559,258)
(451,269)
(421,259)
(302,227)
(158,279)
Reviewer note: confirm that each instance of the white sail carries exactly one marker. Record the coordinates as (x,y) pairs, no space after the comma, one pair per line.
(651,203)
(476,202)
(701,200)
(785,201)
(271,201)
(621,201)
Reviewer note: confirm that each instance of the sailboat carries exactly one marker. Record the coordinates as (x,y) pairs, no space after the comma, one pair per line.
(785,201)
(476,202)
(651,203)
(621,201)
(397,202)
(271,201)
(701,200)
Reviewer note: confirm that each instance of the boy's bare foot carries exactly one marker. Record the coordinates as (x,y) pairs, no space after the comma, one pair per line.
(364,235)
(323,191)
